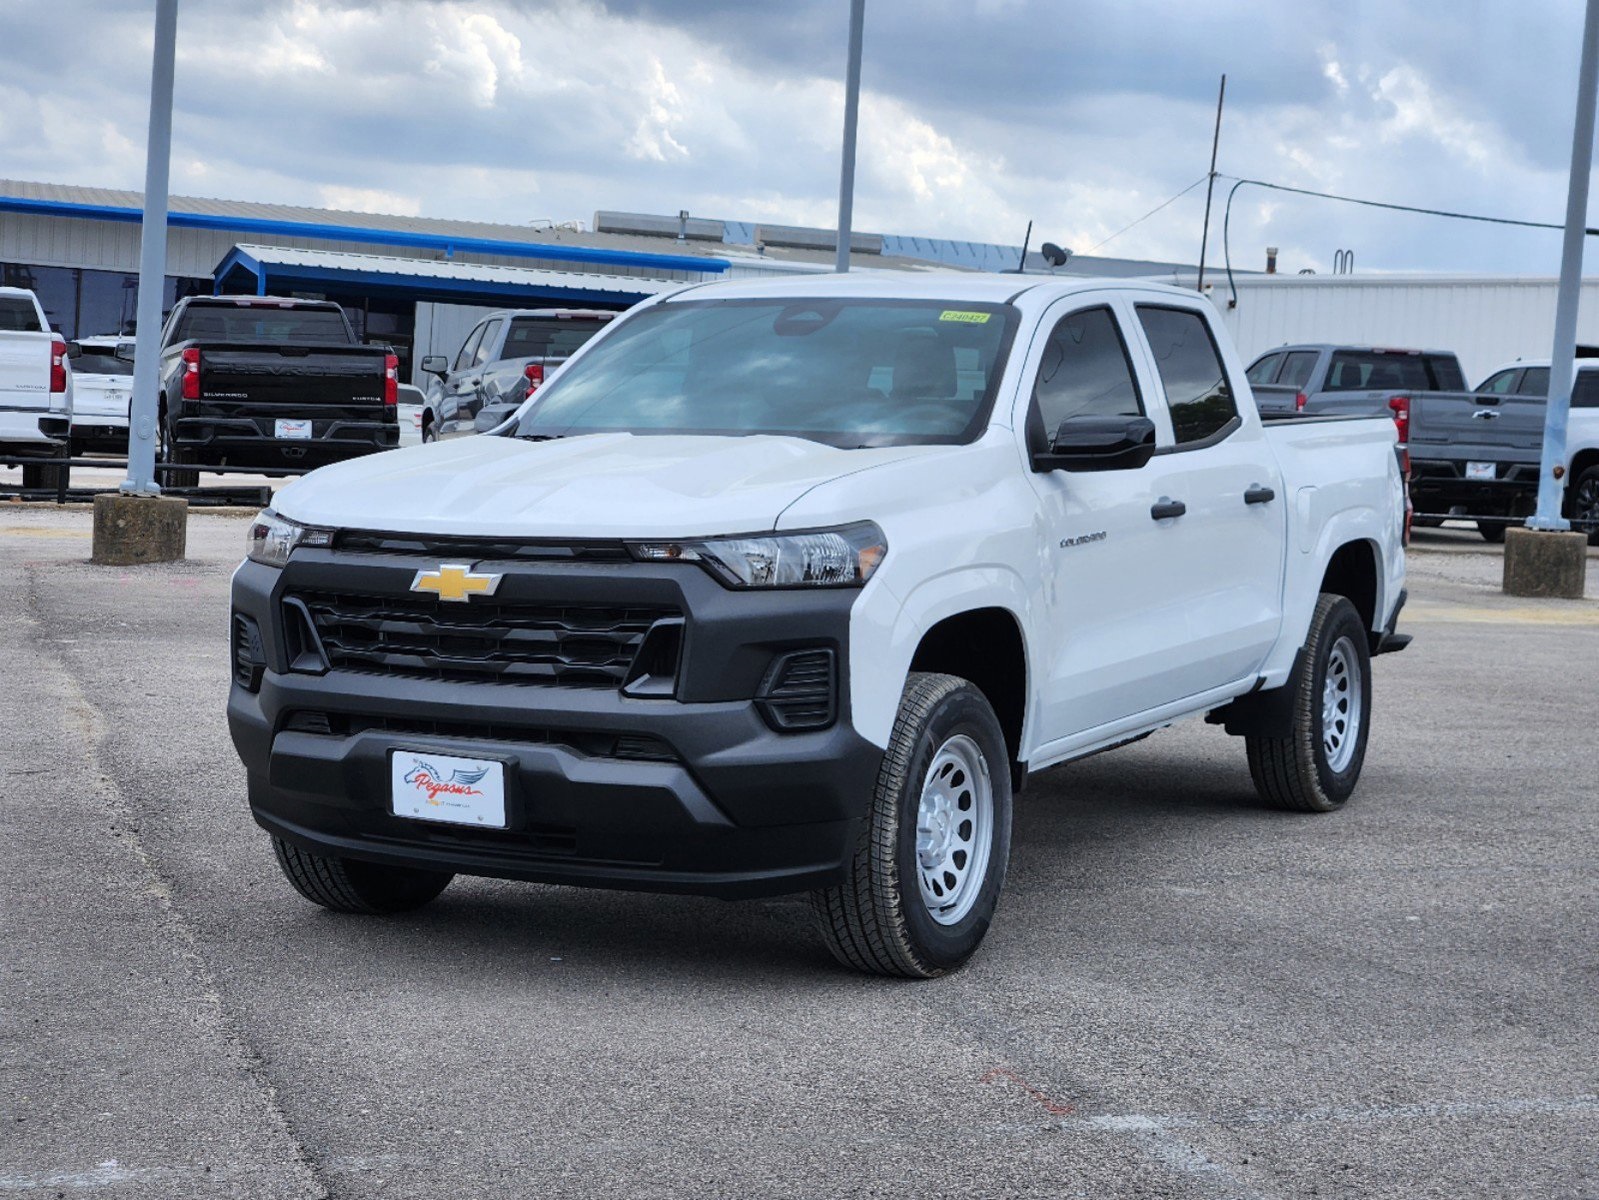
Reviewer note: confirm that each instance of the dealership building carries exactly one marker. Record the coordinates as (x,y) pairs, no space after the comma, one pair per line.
(419,284)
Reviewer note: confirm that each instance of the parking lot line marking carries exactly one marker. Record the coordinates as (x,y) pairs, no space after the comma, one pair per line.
(1535,1106)
(1459,614)
(43,532)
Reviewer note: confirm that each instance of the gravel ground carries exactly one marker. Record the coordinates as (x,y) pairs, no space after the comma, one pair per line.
(1184,995)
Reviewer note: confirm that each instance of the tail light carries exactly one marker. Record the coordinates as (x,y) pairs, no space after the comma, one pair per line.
(58,366)
(534,373)
(191,373)
(1401,410)
(1300,400)
(391,379)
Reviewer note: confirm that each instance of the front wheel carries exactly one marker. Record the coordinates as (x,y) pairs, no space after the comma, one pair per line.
(352,886)
(927,870)
(1315,768)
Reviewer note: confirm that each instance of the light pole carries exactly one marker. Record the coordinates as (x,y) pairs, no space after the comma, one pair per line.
(852,105)
(145,410)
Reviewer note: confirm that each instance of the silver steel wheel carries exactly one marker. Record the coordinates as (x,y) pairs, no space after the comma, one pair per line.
(1340,705)
(954,830)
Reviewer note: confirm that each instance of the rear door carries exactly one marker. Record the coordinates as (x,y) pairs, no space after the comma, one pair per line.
(1222,553)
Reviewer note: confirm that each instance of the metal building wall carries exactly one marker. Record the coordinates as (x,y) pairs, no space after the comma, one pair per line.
(1486,321)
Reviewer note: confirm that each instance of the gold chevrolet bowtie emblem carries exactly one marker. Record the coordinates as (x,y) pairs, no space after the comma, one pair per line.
(455,581)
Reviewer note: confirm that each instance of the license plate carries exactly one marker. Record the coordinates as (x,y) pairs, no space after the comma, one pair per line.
(1479,470)
(450,790)
(291,429)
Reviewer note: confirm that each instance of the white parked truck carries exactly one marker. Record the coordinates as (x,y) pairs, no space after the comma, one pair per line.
(35,386)
(787,586)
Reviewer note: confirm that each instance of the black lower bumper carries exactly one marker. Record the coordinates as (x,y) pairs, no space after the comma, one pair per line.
(1437,489)
(241,443)
(602,789)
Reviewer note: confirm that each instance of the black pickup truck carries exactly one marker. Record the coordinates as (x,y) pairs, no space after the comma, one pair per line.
(263,381)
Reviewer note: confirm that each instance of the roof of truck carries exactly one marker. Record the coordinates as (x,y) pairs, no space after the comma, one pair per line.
(979,287)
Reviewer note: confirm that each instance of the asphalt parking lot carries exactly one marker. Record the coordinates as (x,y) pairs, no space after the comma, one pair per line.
(1184,995)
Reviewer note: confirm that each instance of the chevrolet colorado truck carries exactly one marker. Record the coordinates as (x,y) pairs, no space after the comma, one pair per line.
(264,381)
(787,586)
(35,387)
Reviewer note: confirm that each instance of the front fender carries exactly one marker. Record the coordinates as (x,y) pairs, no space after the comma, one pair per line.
(885,632)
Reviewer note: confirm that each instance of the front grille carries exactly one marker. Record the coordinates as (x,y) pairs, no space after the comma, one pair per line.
(513,642)
(467,548)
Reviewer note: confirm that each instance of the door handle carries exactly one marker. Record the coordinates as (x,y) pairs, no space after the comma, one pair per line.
(1259,494)
(1486,414)
(1166,507)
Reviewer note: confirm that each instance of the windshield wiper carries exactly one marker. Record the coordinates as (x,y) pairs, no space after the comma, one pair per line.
(537,437)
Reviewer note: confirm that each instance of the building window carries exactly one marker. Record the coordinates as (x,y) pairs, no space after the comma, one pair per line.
(83,303)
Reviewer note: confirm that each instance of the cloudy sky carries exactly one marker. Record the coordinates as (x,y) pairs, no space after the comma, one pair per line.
(977,115)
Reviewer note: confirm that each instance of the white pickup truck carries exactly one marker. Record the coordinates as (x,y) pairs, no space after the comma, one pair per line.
(787,586)
(35,386)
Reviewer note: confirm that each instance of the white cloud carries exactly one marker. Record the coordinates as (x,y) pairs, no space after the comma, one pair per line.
(369,200)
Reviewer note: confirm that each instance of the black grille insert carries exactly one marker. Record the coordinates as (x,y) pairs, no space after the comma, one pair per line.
(639,747)
(799,691)
(496,641)
(459,548)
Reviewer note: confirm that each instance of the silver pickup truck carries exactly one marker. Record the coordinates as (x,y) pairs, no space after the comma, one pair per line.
(1471,454)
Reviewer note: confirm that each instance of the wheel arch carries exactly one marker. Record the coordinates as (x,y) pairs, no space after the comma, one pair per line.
(1353,572)
(984,646)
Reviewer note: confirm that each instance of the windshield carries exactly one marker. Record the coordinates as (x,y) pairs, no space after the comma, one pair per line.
(845,372)
(263,323)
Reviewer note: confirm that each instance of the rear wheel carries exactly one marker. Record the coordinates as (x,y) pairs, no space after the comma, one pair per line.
(349,885)
(926,873)
(176,455)
(430,432)
(41,475)
(1315,767)
(1583,503)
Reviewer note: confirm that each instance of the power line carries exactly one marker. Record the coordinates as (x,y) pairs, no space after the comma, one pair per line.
(1410,208)
(1150,213)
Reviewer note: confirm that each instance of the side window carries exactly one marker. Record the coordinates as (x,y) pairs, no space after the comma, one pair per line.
(1085,372)
(1264,369)
(491,338)
(1584,391)
(1297,368)
(468,349)
(1197,392)
(1535,381)
(1445,370)
(1500,383)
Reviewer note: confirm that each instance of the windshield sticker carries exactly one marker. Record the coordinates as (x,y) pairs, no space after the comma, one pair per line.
(969,318)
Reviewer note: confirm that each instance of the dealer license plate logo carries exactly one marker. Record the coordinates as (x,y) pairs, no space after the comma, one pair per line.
(441,787)
(1479,470)
(286,428)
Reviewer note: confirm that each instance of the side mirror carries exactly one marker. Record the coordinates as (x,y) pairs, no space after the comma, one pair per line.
(124,351)
(1099,444)
(436,364)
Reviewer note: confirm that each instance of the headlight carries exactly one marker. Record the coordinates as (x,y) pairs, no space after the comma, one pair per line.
(843,557)
(273,538)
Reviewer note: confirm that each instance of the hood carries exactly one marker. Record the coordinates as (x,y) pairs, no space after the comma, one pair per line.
(594,486)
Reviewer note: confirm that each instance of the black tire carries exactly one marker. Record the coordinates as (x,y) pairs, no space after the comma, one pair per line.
(173,476)
(1582,502)
(430,432)
(876,920)
(41,475)
(1295,772)
(1492,531)
(351,886)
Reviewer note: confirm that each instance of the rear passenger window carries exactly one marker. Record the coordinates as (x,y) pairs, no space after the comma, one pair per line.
(1085,372)
(1535,381)
(1264,369)
(1197,392)
(1498,384)
(1584,393)
(1297,368)
(1446,376)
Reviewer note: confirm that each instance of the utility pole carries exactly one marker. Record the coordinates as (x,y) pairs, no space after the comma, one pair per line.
(1210,186)
(152,260)
(852,105)
(1562,362)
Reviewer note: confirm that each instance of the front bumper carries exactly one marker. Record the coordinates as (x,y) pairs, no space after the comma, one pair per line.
(722,805)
